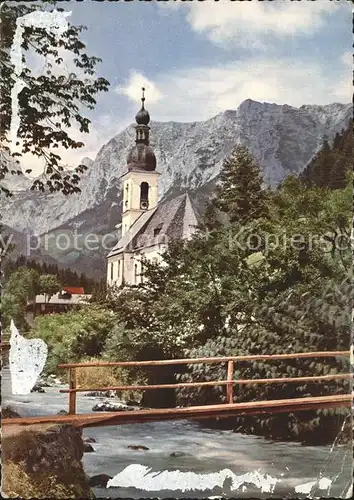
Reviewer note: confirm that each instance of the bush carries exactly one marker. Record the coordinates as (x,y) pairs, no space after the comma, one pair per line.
(73,335)
(317,427)
(97,376)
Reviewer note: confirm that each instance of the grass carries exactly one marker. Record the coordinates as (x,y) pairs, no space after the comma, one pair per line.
(26,475)
(16,483)
(97,376)
(105,376)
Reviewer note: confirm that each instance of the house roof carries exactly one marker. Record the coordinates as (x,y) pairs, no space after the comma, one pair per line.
(74,290)
(57,299)
(172,219)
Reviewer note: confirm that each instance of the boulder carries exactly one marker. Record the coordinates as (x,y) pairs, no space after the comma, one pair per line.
(177,454)
(137,447)
(37,388)
(99,480)
(62,412)
(95,394)
(101,394)
(9,412)
(88,448)
(110,406)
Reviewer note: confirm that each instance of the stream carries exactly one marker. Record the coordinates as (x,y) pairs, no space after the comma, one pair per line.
(209,463)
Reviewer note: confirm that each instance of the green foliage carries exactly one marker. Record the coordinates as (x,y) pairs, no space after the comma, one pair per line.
(48,285)
(240,193)
(66,277)
(74,335)
(50,103)
(23,285)
(329,167)
(271,277)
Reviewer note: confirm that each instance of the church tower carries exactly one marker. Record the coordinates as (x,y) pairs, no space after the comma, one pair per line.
(140,181)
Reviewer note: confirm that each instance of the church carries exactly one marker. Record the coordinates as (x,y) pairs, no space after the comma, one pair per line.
(147,225)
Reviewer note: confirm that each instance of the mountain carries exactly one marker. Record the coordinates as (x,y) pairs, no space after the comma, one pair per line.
(282,138)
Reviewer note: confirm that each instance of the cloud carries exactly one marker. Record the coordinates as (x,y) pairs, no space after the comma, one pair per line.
(199,93)
(249,23)
(347,59)
(132,88)
(202,92)
(344,86)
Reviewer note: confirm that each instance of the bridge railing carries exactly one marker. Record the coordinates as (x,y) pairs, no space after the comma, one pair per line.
(229,382)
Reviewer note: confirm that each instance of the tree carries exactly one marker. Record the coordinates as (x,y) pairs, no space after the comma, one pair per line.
(330,166)
(300,301)
(240,193)
(48,285)
(21,286)
(50,103)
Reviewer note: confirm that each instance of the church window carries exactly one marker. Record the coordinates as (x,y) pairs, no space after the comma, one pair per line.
(144,195)
(136,273)
(112,271)
(118,270)
(126,194)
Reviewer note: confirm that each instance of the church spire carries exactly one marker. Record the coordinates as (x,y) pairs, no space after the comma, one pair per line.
(142,117)
(142,157)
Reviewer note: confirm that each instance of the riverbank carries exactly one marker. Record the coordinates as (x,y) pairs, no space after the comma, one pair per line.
(44,463)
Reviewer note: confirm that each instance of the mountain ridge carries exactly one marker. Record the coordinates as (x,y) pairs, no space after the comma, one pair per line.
(282,138)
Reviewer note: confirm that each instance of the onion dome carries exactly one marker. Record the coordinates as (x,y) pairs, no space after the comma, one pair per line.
(142,156)
(142,117)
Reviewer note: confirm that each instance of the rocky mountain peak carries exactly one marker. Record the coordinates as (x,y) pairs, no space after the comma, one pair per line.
(282,138)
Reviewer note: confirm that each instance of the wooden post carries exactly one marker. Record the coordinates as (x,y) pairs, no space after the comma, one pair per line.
(72,395)
(230,385)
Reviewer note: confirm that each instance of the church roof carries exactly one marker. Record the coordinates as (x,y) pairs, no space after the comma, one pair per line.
(172,219)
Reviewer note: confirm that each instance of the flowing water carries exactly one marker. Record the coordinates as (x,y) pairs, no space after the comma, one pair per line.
(209,462)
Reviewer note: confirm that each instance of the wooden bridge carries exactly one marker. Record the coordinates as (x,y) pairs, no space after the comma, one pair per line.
(230,408)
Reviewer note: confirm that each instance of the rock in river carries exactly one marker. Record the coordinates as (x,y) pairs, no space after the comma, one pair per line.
(177,454)
(109,406)
(88,448)
(138,447)
(37,388)
(99,480)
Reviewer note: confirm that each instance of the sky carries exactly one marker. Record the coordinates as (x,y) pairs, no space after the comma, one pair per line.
(198,58)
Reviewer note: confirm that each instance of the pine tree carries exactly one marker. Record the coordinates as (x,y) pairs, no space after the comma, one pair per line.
(342,157)
(240,193)
(328,169)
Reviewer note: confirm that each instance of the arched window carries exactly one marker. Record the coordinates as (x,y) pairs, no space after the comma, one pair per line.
(144,195)
(112,271)
(126,194)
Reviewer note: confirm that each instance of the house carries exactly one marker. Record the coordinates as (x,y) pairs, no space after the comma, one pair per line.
(63,301)
(147,226)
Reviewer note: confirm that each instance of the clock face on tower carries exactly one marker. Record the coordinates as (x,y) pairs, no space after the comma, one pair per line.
(144,204)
